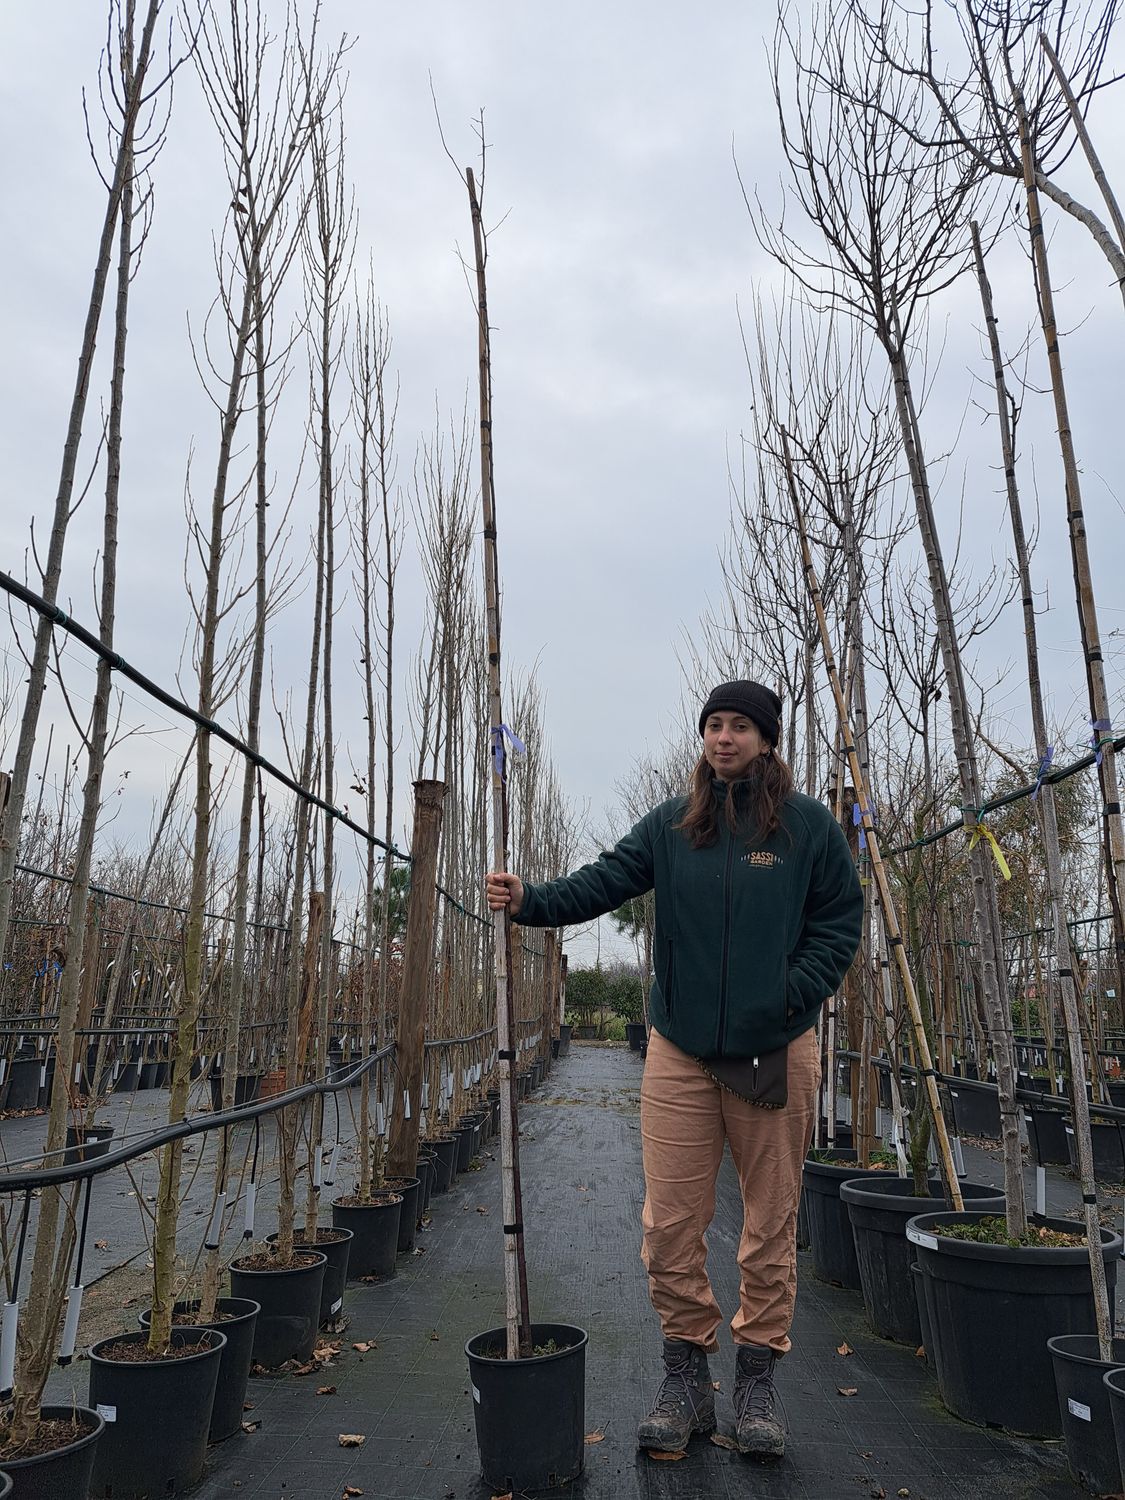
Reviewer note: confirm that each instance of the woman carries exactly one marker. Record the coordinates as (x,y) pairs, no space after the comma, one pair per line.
(758,916)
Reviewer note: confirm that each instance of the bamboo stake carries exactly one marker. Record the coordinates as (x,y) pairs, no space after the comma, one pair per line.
(517,1315)
(886,900)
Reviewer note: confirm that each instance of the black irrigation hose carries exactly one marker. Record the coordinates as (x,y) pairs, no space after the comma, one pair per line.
(118,663)
(16,1182)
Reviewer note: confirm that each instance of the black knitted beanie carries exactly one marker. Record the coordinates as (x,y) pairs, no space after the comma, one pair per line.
(758,703)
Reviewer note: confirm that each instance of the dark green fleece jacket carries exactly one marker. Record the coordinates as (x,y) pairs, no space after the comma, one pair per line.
(751,937)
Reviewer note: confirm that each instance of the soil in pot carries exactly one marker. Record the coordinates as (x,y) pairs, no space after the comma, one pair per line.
(58,1463)
(445,1158)
(530,1413)
(1084,1408)
(831,1243)
(335,1245)
(992,1308)
(290,1305)
(236,1318)
(172,1397)
(374,1228)
(879,1209)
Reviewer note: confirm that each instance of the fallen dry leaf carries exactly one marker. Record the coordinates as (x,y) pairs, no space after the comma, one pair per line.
(847,1390)
(352,1439)
(920,1352)
(667,1458)
(101,1244)
(716,1385)
(363,1346)
(481,1209)
(721,1440)
(904,1494)
(583,1189)
(845,1349)
(350,1491)
(250,1426)
(326,1390)
(597,1436)
(508,1496)
(434,1336)
(879,1493)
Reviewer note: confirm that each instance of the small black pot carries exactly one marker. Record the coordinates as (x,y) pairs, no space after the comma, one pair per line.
(23,1083)
(879,1209)
(555,1047)
(156,1443)
(1108,1142)
(992,1310)
(374,1228)
(127,1078)
(445,1159)
(634,1034)
(424,1171)
(95,1142)
(234,1361)
(290,1309)
(466,1135)
(530,1413)
(1084,1408)
(411,1192)
(830,1230)
(65,1473)
(564,1040)
(336,1252)
(147,1079)
(976,1111)
(1046,1136)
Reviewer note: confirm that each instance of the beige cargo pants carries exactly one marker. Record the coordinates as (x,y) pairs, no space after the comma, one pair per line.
(685,1119)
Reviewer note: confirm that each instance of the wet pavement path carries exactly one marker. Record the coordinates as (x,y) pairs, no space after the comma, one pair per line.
(409,1395)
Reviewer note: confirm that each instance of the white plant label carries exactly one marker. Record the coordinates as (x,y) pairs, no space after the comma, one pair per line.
(1077,1409)
(476,1395)
(107,1413)
(337,1305)
(920,1237)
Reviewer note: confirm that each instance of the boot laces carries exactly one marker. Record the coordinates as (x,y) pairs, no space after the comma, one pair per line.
(676,1389)
(757,1397)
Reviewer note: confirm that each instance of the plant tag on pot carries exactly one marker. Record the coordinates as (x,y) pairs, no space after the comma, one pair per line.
(920,1237)
(1077,1409)
(337,1305)
(476,1395)
(107,1413)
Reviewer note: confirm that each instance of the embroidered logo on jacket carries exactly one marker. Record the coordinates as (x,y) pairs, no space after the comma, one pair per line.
(762,859)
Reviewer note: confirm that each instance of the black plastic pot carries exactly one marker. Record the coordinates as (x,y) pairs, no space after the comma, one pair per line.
(523,1084)
(843,1136)
(555,1047)
(530,1413)
(234,1361)
(829,1228)
(127,1078)
(411,1194)
(537,1071)
(1084,1410)
(976,1111)
(163,1073)
(1046,1136)
(6,1486)
(918,1281)
(1114,1382)
(374,1228)
(879,1209)
(336,1252)
(634,1034)
(65,1473)
(424,1171)
(1109,1150)
(290,1308)
(147,1079)
(993,1308)
(95,1142)
(156,1441)
(23,1083)
(564,1040)
(445,1158)
(466,1135)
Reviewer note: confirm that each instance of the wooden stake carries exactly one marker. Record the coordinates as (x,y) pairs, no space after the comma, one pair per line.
(417,964)
(517,1315)
(878,870)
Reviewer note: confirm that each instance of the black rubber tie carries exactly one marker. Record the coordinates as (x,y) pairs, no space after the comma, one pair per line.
(513,1228)
(1091,1198)
(506,1056)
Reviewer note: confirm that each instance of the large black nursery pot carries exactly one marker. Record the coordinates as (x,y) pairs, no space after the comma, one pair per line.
(237,1323)
(289,1297)
(1114,1382)
(6,1486)
(634,1034)
(564,1039)
(826,1218)
(374,1228)
(1046,1136)
(465,1133)
(157,1415)
(1084,1408)
(335,1245)
(23,1083)
(976,1111)
(530,1413)
(410,1189)
(1108,1141)
(445,1160)
(879,1209)
(95,1141)
(992,1309)
(63,1474)
(424,1171)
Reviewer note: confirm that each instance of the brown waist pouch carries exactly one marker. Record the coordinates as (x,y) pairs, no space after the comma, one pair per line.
(761,1080)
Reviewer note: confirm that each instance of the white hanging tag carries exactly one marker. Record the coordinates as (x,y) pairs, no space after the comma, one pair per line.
(253,1055)
(8,1325)
(251,1199)
(380,1118)
(215,1228)
(42,1075)
(333,1163)
(317,1168)
(70,1326)
(107,1413)
(406,1104)
(4,1070)
(115,1072)
(77,1074)
(426,1094)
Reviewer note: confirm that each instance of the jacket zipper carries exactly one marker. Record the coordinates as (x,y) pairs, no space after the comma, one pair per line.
(726,948)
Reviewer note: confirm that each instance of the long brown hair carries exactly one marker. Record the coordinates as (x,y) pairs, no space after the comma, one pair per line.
(752,807)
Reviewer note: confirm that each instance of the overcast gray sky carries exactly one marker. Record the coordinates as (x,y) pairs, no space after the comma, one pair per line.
(619,378)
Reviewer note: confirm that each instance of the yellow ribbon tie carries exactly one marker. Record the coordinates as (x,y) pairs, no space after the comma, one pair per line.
(981,831)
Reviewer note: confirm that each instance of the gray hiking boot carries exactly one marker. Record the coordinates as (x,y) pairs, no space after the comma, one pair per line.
(759,1431)
(685,1402)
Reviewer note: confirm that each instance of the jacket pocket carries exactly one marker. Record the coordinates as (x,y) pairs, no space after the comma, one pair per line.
(668,979)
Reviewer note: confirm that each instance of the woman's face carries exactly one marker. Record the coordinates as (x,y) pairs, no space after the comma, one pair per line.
(730,742)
